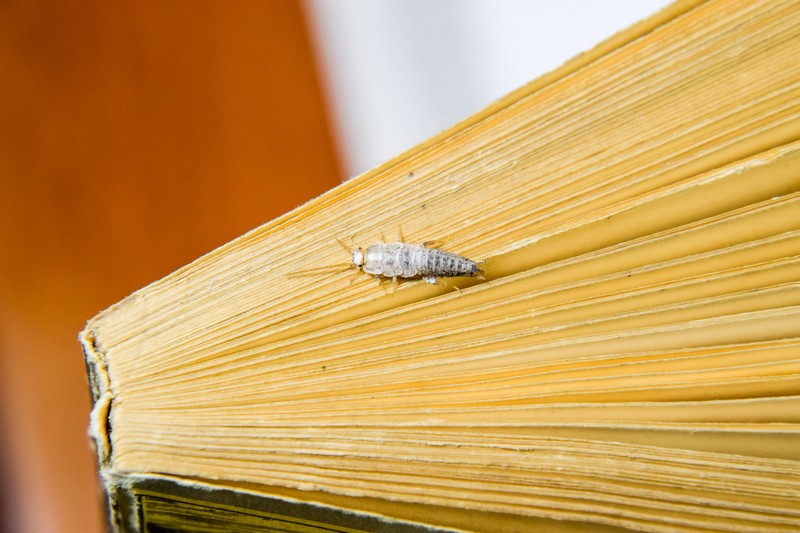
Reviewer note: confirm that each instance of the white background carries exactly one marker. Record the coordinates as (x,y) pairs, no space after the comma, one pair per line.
(398,71)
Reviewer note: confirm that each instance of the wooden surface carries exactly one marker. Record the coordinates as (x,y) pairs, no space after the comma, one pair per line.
(135,137)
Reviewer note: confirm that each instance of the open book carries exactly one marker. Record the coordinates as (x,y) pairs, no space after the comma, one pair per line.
(631,359)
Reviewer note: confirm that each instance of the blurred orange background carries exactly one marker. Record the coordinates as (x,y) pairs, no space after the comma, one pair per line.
(136,136)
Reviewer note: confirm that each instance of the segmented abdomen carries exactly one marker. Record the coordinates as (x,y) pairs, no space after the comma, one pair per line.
(397,259)
(443,264)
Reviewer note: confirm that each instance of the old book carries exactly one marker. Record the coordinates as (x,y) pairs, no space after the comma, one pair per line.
(631,359)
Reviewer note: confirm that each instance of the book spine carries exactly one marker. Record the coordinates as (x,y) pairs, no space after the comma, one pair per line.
(100,425)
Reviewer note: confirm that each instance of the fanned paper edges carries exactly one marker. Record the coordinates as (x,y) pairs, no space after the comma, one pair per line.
(631,358)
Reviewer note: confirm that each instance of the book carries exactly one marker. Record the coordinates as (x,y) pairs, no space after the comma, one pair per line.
(630,359)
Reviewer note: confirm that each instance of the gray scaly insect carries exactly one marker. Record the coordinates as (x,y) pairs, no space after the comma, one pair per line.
(409,261)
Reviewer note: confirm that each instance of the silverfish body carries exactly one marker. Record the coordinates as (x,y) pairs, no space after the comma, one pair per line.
(401,260)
